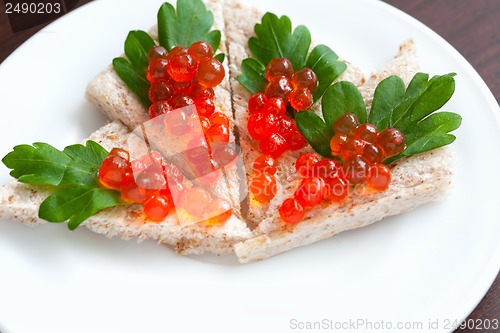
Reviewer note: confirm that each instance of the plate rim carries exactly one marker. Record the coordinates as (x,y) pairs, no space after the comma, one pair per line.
(488,276)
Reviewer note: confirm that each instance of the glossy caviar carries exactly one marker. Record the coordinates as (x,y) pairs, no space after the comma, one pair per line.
(361,148)
(185,77)
(320,180)
(263,183)
(159,187)
(268,122)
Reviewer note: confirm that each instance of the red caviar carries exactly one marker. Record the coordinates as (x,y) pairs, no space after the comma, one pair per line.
(305,165)
(310,191)
(273,145)
(305,78)
(322,179)
(221,211)
(284,88)
(195,201)
(263,184)
(301,99)
(182,68)
(157,186)
(210,72)
(113,171)
(291,211)
(263,187)
(200,50)
(158,207)
(279,67)
(264,164)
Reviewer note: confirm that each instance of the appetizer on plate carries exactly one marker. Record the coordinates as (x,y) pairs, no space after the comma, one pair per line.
(76,185)
(336,182)
(240,135)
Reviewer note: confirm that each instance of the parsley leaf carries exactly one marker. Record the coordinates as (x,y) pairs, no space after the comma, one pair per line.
(274,38)
(394,107)
(315,131)
(387,97)
(137,46)
(430,133)
(423,99)
(220,57)
(73,174)
(411,110)
(342,97)
(324,62)
(86,160)
(77,203)
(190,23)
(40,164)
(253,75)
(132,71)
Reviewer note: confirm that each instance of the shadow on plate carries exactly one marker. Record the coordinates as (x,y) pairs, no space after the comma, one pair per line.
(51,246)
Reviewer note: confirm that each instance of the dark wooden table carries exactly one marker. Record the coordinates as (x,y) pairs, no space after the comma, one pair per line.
(471,26)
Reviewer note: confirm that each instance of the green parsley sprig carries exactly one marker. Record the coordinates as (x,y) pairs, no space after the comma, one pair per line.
(191,22)
(411,110)
(274,38)
(71,173)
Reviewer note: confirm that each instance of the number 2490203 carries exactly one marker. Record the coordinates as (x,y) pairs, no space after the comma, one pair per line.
(32,8)
(473,324)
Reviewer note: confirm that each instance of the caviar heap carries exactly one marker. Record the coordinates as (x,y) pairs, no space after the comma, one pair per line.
(321,179)
(361,148)
(186,76)
(268,122)
(159,187)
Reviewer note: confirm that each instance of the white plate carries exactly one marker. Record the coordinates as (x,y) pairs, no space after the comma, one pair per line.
(434,263)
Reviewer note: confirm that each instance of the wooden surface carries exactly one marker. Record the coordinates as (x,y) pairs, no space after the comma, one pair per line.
(471,26)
